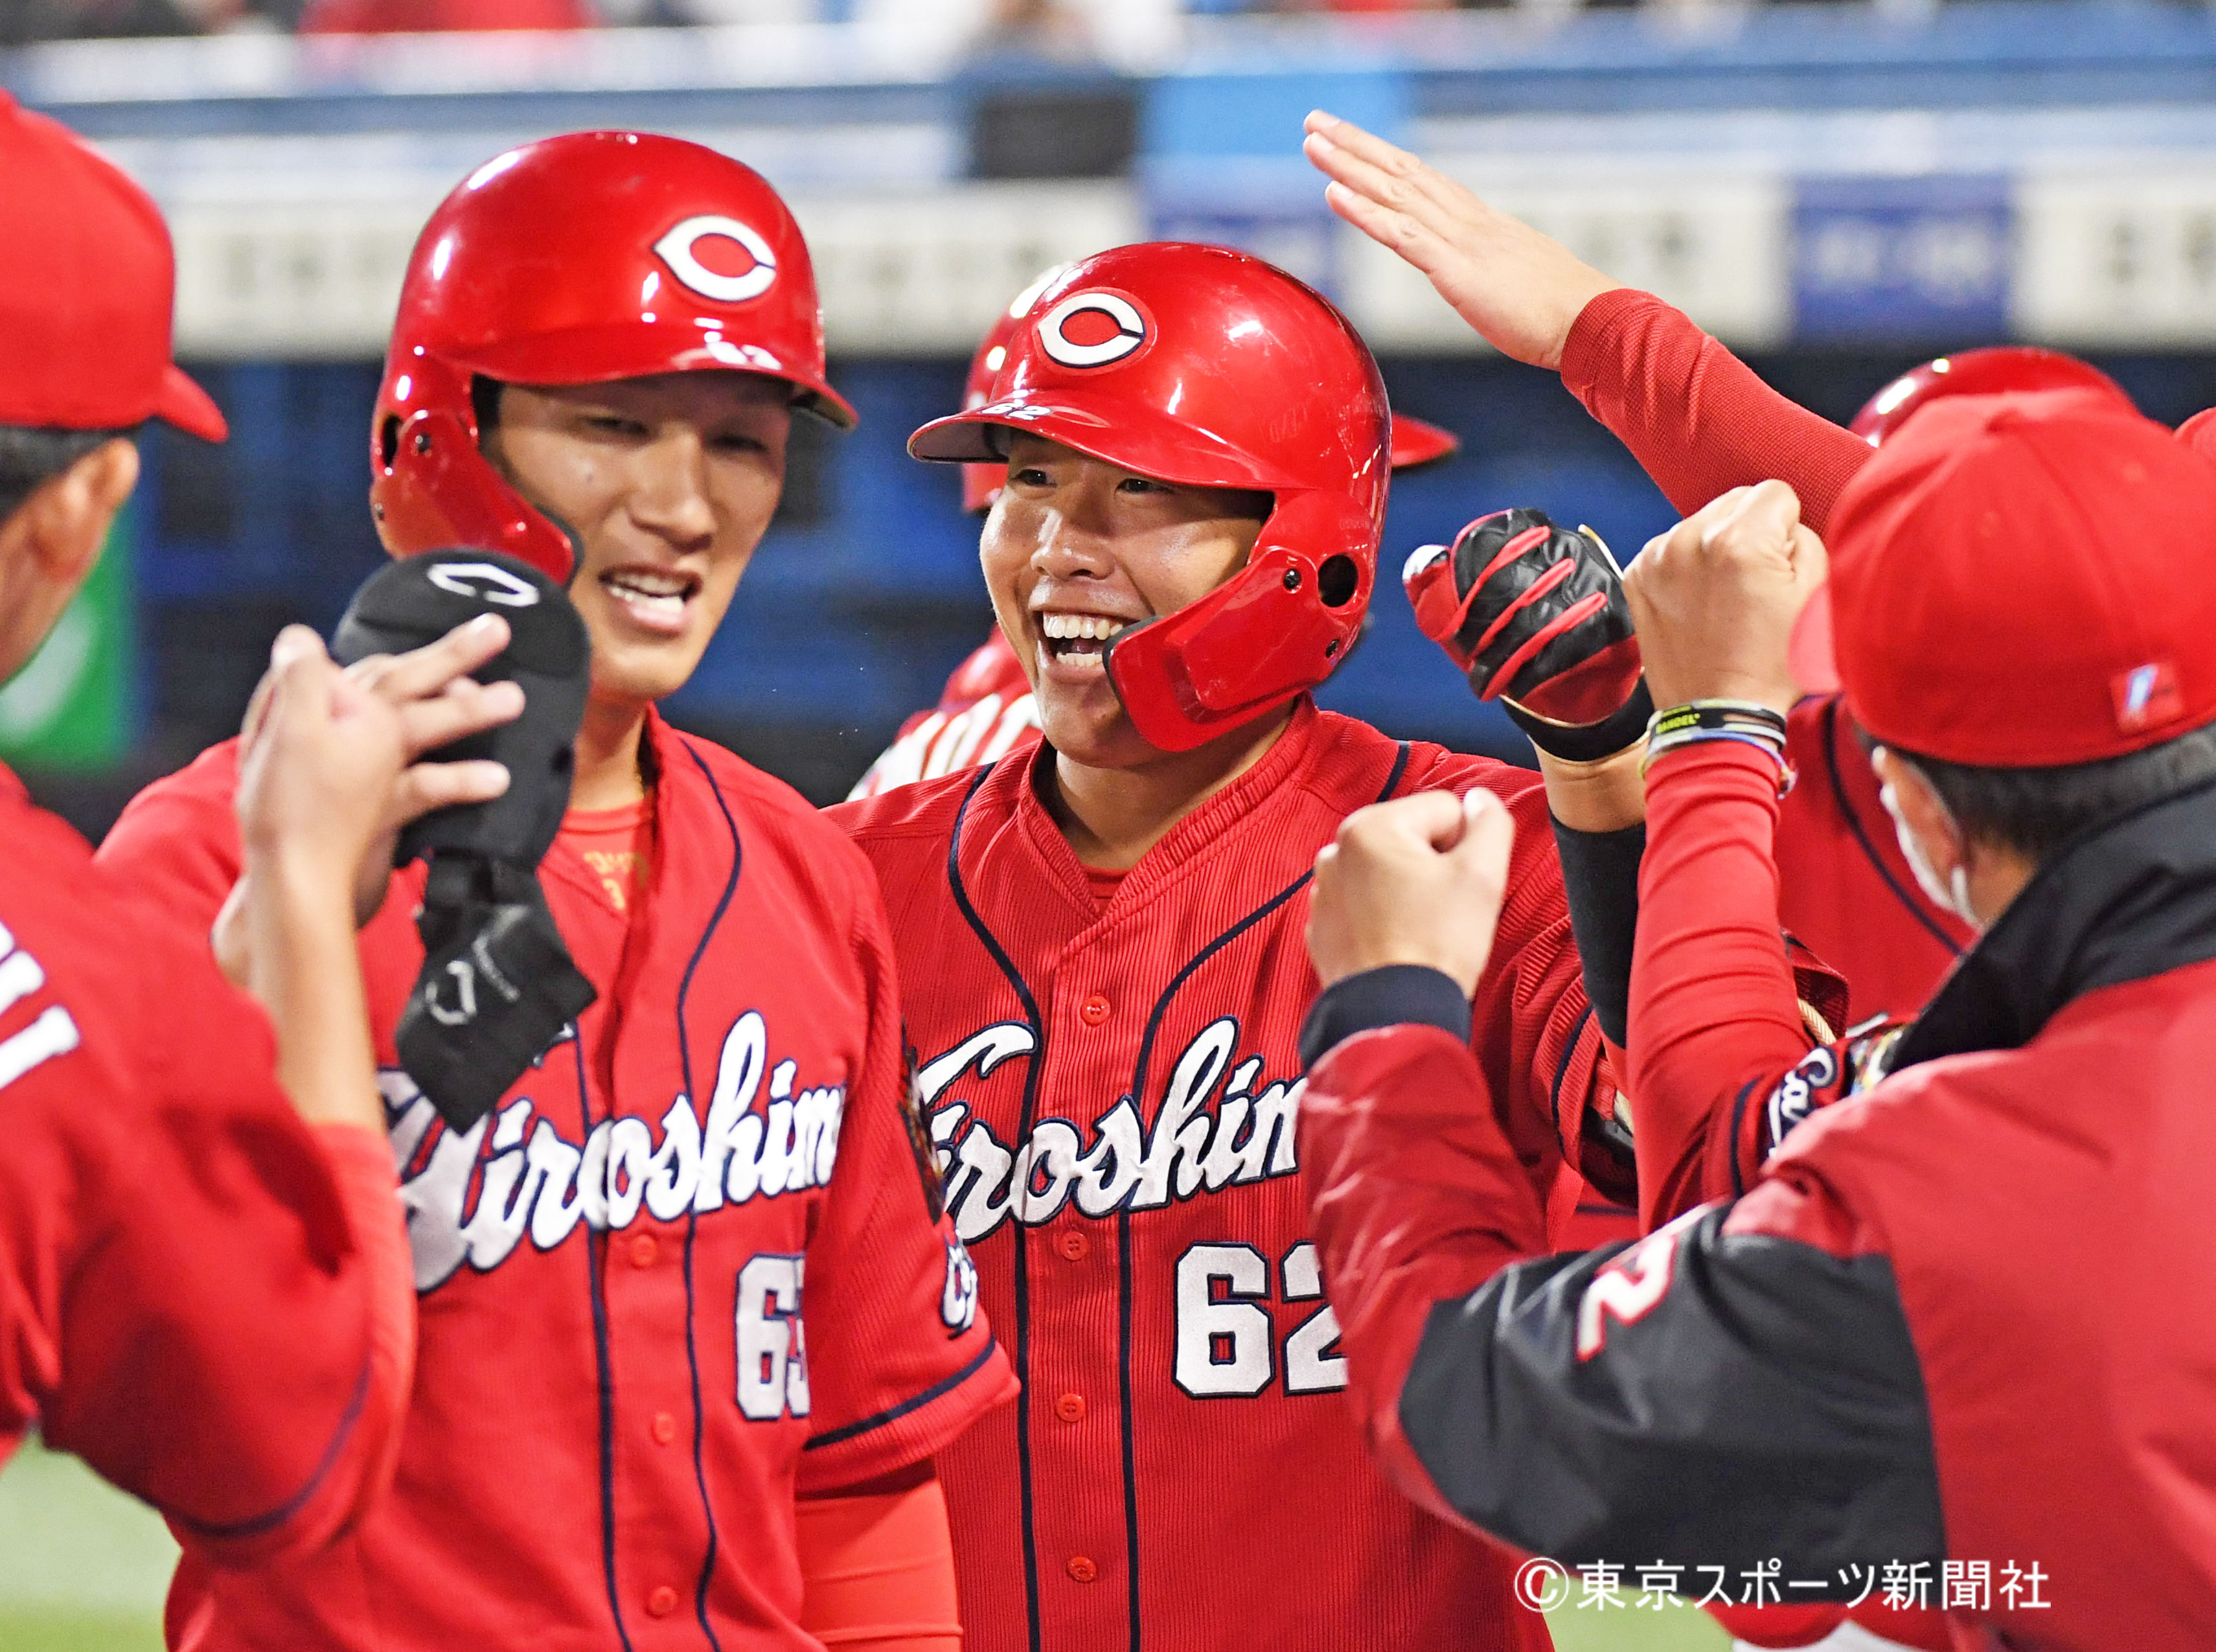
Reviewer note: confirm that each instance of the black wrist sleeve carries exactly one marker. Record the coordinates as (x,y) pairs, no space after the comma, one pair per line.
(1600,872)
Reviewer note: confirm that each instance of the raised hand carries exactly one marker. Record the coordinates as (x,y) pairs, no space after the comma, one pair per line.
(1519,289)
(433,702)
(329,766)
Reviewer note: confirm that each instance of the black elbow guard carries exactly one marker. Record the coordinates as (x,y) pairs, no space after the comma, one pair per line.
(497,984)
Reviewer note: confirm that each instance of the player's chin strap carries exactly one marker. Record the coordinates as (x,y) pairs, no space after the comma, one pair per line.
(497,984)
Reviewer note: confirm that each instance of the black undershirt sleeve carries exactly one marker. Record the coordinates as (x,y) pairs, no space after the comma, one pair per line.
(1600,873)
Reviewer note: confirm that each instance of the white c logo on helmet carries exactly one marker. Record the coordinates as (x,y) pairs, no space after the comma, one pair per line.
(487,581)
(675,250)
(1130,331)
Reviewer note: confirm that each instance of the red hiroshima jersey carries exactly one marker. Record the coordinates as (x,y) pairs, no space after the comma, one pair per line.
(985,712)
(189,1275)
(692,1265)
(988,711)
(1111,1095)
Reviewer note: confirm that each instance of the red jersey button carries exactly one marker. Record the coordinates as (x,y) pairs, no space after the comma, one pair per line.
(1082,1570)
(1074,1245)
(643,1249)
(662,1602)
(1094,1010)
(665,1427)
(1070,1407)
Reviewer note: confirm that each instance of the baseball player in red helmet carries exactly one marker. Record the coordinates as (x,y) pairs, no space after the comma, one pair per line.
(986,710)
(1701,424)
(693,1323)
(203,1277)
(1100,942)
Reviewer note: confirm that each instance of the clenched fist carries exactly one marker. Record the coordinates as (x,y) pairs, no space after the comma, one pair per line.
(1418,880)
(1714,598)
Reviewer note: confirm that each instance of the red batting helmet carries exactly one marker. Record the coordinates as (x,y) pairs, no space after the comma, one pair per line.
(1978,373)
(1209,368)
(577,260)
(1414,441)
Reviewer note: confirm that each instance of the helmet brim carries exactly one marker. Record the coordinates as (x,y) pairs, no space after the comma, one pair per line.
(599,356)
(1141,440)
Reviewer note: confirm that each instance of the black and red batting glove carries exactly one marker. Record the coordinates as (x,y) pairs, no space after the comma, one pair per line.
(1535,615)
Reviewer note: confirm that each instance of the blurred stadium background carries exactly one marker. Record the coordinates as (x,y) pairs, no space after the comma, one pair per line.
(1837,190)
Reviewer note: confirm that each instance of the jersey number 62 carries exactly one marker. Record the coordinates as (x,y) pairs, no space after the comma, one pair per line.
(1226,1340)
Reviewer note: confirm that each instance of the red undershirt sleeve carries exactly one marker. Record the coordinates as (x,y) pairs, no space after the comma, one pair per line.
(878,1567)
(1714,1015)
(1696,417)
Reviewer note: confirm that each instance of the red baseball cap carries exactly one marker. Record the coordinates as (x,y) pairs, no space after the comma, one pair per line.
(85,298)
(2025,581)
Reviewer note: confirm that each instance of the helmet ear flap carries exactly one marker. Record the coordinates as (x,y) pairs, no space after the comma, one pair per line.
(434,491)
(1271,631)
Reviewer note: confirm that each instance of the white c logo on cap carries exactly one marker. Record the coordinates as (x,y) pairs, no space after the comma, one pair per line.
(485,581)
(1130,331)
(675,250)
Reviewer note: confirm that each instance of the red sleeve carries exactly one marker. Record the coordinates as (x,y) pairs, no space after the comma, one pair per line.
(879,1570)
(1714,1018)
(900,1357)
(1418,1199)
(1695,416)
(362,1165)
(203,1300)
(176,843)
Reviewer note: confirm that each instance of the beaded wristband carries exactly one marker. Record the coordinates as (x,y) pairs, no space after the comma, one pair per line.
(1703,721)
(1751,715)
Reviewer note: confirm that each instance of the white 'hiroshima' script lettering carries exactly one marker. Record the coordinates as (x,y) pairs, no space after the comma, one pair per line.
(1192,1147)
(470,1202)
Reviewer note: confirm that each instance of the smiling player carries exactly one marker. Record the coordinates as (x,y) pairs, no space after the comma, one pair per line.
(1101,943)
(987,709)
(692,1325)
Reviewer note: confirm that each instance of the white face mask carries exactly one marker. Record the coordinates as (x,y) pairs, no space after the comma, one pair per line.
(1951,894)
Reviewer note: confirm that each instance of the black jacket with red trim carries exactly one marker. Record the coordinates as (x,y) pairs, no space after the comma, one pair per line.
(1957,1327)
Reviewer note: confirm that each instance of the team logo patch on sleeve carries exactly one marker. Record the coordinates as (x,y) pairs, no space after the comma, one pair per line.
(919,1142)
(1827,1074)
(1799,1092)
